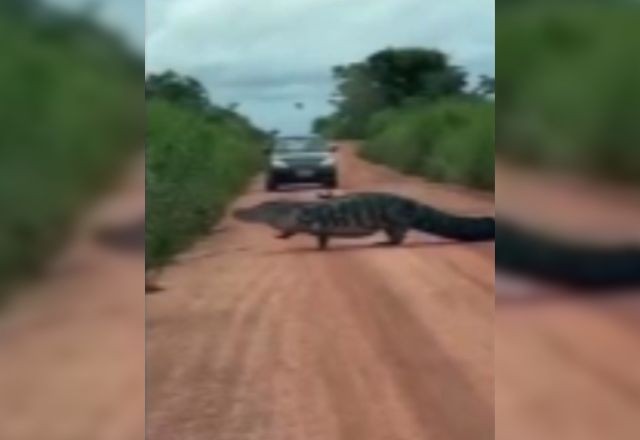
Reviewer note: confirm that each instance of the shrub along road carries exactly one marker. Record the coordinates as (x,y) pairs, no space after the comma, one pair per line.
(253,337)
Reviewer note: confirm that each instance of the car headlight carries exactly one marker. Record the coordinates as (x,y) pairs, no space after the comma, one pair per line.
(328,162)
(278,163)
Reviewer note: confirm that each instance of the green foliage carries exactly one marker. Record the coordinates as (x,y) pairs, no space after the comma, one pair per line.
(199,156)
(450,141)
(356,99)
(486,86)
(569,89)
(178,89)
(71,113)
(411,107)
(399,74)
(187,92)
(196,164)
(389,78)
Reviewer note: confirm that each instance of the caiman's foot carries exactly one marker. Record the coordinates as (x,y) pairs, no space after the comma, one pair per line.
(323,241)
(396,235)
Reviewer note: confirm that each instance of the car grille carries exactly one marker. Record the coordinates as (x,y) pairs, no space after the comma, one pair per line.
(303,162)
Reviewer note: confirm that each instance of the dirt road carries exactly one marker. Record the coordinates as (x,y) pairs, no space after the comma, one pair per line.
(258,338)
(566,367)
(72,356)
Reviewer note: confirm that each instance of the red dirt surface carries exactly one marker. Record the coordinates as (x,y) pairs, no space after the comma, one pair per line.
(258,338)
(72,343)
(566,365)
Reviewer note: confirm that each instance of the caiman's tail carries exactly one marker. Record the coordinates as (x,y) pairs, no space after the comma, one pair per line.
(582,265)
(457,227)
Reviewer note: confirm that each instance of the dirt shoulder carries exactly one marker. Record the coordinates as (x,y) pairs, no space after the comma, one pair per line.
(72,357)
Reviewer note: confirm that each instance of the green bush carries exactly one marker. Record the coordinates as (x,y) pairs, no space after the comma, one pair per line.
(195,166)
(450,141)
(71,113)
(568,85)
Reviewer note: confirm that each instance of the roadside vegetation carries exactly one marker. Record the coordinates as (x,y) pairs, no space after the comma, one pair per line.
(71,114)
(416,113)
(569,88)
(569,98)
(452,141)
(199,157)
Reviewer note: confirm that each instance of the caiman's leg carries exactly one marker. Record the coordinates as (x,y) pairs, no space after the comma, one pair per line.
(396,234)
(285,234)
(323,241)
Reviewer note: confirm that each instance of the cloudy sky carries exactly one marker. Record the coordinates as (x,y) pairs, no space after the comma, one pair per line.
(269,54)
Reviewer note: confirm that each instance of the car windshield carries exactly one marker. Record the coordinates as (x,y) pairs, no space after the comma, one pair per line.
(300,145)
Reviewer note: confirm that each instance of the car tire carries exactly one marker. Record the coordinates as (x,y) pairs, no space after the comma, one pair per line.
(271,185)
(331,184)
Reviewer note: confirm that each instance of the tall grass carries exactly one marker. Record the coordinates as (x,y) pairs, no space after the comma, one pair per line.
(71,113)
(195,166)
(568,80)
(451,141)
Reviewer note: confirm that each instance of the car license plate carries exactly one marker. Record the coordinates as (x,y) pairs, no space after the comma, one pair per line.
(304,173)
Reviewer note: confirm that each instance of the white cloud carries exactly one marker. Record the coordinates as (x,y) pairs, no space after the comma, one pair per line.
(268,54)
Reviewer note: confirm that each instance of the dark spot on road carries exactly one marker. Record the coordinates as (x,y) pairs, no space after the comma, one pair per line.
(125,237)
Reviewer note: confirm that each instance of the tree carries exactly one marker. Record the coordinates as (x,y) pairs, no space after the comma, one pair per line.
(356,98)
(323,125)
(179,89)
(186,91)
(403,73)
(390,78)
(486,86)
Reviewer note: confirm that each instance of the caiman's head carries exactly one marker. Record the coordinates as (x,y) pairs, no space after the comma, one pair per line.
(279,214)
